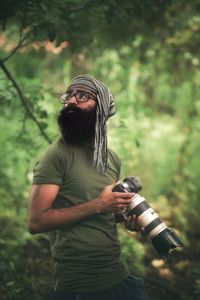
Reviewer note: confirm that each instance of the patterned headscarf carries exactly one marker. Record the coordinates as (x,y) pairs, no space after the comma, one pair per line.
(105,109)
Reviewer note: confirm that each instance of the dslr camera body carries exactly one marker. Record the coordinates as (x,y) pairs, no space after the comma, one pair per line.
(163,238)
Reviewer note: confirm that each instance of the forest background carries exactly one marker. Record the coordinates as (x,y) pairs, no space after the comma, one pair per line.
(147,52)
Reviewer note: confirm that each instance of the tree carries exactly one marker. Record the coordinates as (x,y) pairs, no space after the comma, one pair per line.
(147,52)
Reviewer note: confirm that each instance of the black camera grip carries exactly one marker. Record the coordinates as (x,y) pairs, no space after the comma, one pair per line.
(119,188)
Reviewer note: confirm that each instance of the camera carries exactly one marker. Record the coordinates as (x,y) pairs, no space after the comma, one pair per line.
(163,238)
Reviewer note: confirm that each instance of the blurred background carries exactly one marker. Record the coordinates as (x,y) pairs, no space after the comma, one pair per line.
(147,52)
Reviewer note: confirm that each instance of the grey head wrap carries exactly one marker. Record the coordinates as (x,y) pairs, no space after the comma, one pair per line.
(105,109)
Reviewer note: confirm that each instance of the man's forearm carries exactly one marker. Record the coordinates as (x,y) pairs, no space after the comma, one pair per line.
(52,219)
(42,217)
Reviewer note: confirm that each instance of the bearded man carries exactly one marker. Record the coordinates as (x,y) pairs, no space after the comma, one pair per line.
(72,198)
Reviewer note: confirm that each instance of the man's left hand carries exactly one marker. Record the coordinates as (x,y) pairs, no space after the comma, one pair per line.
(132,224)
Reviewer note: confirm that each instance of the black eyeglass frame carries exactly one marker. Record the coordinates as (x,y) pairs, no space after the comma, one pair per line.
(67,96)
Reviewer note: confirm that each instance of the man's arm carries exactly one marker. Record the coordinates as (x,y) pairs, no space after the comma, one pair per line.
(42,217)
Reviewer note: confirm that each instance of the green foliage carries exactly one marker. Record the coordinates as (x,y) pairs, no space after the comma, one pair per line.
(147,53)
(132,252)
(108,23)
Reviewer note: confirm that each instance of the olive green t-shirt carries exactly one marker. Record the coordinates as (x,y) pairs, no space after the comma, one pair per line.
(87,253)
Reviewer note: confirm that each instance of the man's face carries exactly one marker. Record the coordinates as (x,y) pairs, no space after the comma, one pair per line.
(77,119)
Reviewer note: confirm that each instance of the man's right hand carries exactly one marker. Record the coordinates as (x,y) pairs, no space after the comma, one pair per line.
(42,217)
(109,201)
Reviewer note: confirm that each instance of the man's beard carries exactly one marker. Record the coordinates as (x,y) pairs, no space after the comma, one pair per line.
(76,125)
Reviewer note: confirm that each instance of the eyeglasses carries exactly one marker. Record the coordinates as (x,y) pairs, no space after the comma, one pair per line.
(80,96)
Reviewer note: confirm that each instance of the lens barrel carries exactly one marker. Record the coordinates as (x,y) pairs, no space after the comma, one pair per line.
(163,239)
(165,242)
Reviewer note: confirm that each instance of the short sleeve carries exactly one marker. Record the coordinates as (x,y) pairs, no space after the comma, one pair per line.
(116,163)
(50,168)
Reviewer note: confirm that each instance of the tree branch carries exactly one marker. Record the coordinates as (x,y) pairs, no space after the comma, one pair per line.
(87,5)
(23,100)
(19,45)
